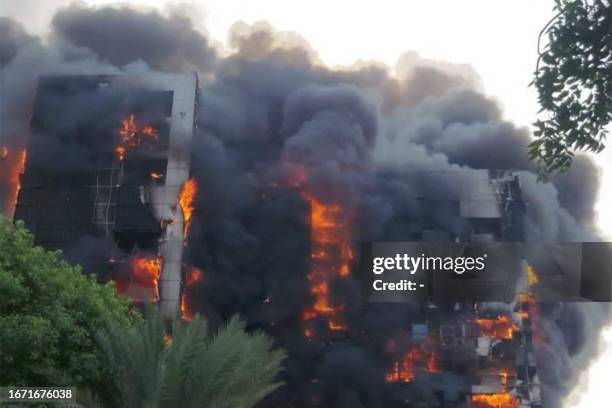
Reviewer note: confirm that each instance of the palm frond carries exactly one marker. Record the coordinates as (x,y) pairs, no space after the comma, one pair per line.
(237,369)
(188,341)
(231,369)
(134,358)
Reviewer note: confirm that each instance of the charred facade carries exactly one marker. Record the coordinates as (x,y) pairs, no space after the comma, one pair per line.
(107,158)
(478,354)
(108,182)
(293,164)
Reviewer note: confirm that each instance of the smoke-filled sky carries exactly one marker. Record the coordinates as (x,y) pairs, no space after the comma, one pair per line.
(496,38)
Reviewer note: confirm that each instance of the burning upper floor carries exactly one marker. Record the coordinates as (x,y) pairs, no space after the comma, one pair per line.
(359,133)
(108,163)
(109,174)
(500,336)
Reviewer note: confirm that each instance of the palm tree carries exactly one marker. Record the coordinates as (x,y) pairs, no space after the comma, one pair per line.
(147,369)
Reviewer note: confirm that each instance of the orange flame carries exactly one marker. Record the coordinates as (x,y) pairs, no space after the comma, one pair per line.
(128,128)
(433,365)
(330,256)
(186,199)
(156,176)
(194,276)
(145,272)
(15,165)
(533,313)
(531,276)
(120,150)
(150,131)
(501,327)
(503,400)
(133,136)
(404,369)
(20,170)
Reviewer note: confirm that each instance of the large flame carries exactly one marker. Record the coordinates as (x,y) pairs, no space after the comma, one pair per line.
(501,327)
(14,163)
(193,277)
(532,310)
(133,136)
(502,400)
(145,274)
(330,256)
(186,200)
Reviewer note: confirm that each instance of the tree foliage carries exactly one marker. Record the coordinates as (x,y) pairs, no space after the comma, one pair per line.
(574,81)
(49,315)
(231,369)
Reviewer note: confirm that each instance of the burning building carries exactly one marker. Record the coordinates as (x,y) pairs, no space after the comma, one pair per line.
(109,180)
(497,335)
(291,165)
(108,165)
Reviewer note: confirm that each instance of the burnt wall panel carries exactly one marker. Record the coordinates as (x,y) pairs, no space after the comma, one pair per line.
(75,188)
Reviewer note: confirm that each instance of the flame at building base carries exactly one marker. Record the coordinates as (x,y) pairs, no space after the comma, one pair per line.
(502,400)
(13,163)
(193,276)
(144,279)
(418,358)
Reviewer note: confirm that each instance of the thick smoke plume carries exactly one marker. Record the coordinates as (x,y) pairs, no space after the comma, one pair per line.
(370,139)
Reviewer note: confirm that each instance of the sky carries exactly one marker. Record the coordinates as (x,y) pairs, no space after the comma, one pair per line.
(497,37)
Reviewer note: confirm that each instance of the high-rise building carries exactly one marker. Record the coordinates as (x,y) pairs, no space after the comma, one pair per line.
(107,158)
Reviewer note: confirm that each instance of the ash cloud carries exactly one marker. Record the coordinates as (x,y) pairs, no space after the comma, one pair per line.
(123,35)
(13,37)
(370,138)
(457,130)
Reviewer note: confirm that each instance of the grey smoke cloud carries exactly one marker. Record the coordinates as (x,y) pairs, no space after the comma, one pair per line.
(366,138)
(13,36)
(164,43)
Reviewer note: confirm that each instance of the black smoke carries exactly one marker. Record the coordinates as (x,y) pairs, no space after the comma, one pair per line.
(371,138)
(13,37)
(167,43)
